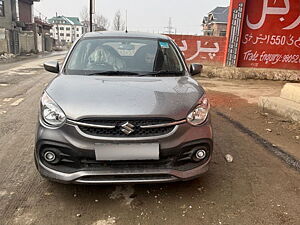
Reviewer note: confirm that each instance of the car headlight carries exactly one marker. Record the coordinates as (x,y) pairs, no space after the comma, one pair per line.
(200,112)
(51,113)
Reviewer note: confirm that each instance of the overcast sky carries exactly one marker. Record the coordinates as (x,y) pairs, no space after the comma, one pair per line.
(143,15)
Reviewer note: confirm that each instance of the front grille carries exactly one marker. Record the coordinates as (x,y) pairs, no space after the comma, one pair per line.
(117,130)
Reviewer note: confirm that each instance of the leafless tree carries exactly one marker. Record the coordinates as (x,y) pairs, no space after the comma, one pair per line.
(101,22)
(84,14)
(118,23)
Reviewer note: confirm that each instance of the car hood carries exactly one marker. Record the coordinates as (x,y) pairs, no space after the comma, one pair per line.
(94,96)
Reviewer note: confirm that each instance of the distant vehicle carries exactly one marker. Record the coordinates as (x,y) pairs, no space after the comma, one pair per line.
(123,109)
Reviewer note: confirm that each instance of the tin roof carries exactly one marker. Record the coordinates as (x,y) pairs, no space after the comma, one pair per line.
(220,14)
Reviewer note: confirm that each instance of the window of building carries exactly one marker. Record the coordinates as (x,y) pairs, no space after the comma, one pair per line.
(61,34)
(2,8)
(77,35)
(223,33)
(68,35)
(62,28)
(77,29)
(68,28)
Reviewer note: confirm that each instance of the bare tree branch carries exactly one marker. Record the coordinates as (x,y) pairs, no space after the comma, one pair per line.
(101,23)
(118,23)
(84,14)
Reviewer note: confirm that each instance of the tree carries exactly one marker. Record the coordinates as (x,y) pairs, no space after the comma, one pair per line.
(85,14)
(118,22)
(101,23)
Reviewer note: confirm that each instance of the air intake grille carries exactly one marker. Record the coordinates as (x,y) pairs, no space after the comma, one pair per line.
(118,130)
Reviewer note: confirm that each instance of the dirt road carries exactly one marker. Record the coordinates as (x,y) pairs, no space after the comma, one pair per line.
(256,188)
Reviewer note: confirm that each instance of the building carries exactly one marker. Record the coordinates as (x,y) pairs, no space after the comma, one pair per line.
(19,32)
(215,23)
(43,39)
(66,29)
(6,14)
(16,13)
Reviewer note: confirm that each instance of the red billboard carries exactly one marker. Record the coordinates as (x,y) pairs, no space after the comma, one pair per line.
(201,49)
(270,34)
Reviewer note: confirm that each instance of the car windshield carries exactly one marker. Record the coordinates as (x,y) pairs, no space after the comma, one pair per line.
(124,56)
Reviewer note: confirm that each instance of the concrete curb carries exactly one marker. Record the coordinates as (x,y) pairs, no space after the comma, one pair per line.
(280,106)
(287,105)
(291,92)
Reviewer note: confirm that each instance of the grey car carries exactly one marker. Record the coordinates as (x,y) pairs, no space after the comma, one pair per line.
(123,108)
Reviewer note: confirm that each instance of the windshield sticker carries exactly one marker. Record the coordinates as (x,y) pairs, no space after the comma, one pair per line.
(164,44)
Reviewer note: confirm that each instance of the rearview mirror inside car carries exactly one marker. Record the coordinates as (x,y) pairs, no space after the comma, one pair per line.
(196,68)
(52,66)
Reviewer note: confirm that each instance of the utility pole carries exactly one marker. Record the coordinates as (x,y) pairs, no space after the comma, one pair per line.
(58,38)
(126,23)
(92,10)
(169,27)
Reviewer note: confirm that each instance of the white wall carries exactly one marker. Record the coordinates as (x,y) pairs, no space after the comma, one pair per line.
(66,35)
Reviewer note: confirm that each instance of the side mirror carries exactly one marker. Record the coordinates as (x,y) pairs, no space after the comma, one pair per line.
(52,67)
(196,69)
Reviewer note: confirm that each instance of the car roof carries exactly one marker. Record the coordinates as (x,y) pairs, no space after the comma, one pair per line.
(123,34)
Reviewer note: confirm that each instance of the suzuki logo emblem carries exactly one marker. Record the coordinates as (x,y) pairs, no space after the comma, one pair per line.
(127,128)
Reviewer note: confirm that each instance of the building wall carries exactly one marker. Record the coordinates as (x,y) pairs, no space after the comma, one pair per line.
(68,33)
(201,49)
(218,29)
(3,41)
(207,30)
(78,31)
(25,12)
(215,29)
(48,43)
(26,40)
(6,21)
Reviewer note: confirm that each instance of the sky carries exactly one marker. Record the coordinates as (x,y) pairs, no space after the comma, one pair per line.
(143,15)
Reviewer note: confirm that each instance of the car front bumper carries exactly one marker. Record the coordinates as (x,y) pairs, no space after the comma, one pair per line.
(121,176)
(180,143)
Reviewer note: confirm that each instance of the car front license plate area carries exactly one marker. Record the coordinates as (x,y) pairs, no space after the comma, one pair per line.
(127,152)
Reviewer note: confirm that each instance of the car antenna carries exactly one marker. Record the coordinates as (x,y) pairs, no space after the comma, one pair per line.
(126,31)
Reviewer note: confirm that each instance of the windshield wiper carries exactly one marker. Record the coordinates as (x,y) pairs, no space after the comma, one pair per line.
(112,72)
(163,72)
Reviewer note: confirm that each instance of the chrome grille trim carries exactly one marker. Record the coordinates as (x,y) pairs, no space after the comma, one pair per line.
(72,122)
(164,124)
(109,127)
